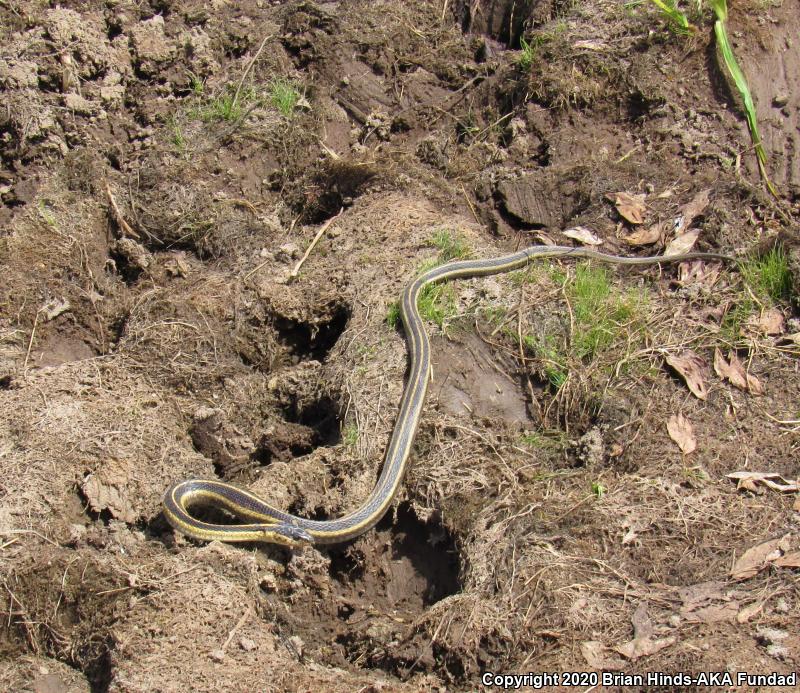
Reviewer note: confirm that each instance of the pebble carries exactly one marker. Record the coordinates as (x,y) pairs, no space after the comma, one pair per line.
(780,99)
(247,644)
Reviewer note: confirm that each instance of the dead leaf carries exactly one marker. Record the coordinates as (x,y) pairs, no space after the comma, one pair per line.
(681,431)
(749,481)
(698,272)
(107,489)
(732,370)
(789,560)
(796,505)
(747,612)
(694,596)
(642,625)
(647,236)
(55,307)
(759,557)
(583,235)
(593,652)
(754,384)
(643,644)
(771,322)
(693,209)
(692,368)
(630,207)
(683,243)
(714,613)
(590,44)
(643,647)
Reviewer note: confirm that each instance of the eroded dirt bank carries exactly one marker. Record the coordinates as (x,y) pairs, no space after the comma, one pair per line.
(163,167)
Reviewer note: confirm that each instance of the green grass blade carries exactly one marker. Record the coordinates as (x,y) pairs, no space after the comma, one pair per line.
(670,10)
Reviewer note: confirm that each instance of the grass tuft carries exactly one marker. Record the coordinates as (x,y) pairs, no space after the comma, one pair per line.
(451,246)
(350,435)
(527,52)
(768,276)
(393,315)
(284,96)
(600,319)
(599,315)
(226,107)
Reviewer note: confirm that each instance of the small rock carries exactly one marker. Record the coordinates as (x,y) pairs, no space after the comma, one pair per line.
(49,683)
(287,252)
(297,643)
(780,99)
(75,102)
(217,655)
(136,255)
(247,644)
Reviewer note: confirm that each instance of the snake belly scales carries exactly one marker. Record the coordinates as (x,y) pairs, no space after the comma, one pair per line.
(263,523)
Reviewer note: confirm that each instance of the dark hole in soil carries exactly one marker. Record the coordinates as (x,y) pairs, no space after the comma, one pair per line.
(502,20)
(332,186)
(95,663)
(322,416)
(305,340)
(427,548)
(6,382)
(431,549)
(401,568)
(641,107)
(129,272)
(297,508)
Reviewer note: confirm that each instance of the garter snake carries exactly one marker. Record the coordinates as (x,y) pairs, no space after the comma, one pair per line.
(264,523)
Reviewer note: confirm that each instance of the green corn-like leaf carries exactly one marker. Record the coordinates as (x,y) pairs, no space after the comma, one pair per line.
(669,8)
(720,8)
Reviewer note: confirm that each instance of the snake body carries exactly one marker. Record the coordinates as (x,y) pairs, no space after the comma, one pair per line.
(264,523)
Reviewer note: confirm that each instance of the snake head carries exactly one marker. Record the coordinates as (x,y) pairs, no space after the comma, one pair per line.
(287,535)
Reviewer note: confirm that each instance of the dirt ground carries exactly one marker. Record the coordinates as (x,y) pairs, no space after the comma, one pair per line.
(157,193)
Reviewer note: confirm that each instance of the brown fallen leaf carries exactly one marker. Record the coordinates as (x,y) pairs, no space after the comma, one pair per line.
(693,209)
(733,370)
(698,272)
(759,557)
(683,243)
(630,207)
(789,560)
(583,235)
(648,235)
(796,505)
(680,429)
(749,481)
(643,643)
(643,647)
(747,612)
(694,596)
(590,44)
(714,613)
(692,368)
(771,322)
(108,489)
(593,652)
